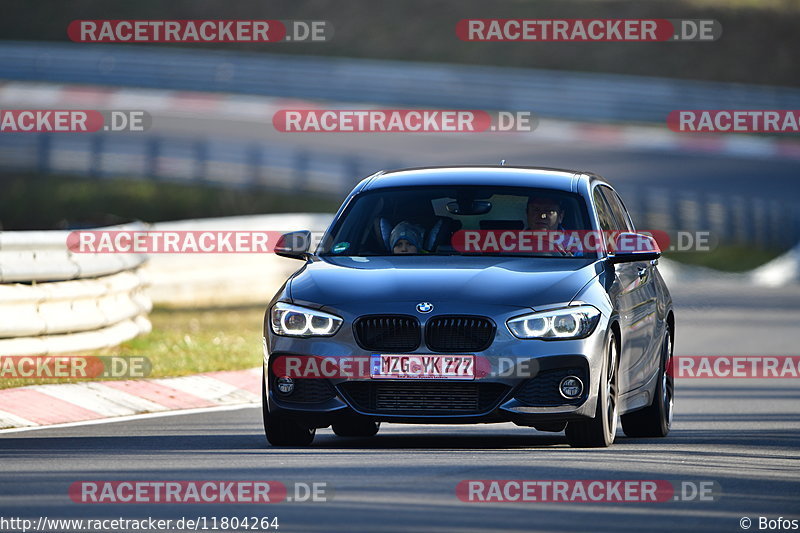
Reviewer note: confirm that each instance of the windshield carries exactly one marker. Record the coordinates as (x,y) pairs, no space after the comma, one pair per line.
(458,220)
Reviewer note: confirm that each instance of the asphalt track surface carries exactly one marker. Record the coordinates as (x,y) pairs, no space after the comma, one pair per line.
(742,434)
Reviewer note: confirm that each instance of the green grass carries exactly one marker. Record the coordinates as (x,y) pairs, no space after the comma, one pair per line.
(727,258)
(188,342)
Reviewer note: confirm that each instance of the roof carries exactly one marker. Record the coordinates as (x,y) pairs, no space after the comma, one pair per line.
(493,175)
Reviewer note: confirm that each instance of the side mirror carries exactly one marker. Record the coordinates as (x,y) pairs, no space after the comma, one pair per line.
(294,244)
(631,247)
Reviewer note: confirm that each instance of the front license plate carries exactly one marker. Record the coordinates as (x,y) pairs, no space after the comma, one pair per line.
(421,366)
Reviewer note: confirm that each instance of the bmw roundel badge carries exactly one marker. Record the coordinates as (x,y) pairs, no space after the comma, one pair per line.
(424,307)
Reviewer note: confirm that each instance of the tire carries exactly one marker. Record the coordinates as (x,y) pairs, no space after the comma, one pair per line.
(656,419)
(599,432)
(356,428)
(282,431)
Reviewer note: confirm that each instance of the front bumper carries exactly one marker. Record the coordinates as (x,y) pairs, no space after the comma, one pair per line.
(320,402)
(521,386)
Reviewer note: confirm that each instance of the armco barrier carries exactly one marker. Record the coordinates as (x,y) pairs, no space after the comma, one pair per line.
(748,220)
(54,301)
(548,93)
(43,256)
(212,280)
(230,163)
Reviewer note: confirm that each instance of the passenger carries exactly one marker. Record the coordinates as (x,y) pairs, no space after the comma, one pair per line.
(406,238)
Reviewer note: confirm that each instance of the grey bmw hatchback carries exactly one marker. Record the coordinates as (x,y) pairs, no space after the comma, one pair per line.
(454,295)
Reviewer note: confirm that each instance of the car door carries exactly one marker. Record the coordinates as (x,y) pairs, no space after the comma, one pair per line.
(639,292)
(620,291)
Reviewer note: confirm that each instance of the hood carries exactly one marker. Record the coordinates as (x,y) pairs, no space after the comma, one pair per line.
(518,281)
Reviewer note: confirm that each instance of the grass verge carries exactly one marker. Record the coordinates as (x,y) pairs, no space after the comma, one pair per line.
(185,342)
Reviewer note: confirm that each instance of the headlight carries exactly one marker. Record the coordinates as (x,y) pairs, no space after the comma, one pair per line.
(295,321)
(567,323)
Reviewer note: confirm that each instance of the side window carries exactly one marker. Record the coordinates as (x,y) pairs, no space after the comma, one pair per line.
(617,209)
(603,212)
(625,213)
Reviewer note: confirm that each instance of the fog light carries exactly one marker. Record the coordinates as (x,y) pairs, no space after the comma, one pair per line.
(571,387)
(284,385)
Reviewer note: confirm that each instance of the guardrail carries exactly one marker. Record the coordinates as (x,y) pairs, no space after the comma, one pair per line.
(183,281)
(728,218)
(230,163)
(288,168)
(295,169)
(548,93)
(54,301)
(43,256)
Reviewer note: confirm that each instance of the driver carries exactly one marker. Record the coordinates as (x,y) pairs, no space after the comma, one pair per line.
(546,213)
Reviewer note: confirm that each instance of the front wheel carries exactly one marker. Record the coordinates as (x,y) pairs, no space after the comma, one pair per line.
(656,419)
(282,431)
(599,432)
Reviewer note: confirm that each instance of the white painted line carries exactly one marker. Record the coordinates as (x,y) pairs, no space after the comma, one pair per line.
(209,389)
(11,420)
(651,138)
(148,100)
(750,146)
(133,418)
(126,399)
(252,109)
(30,94)
(100,399)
